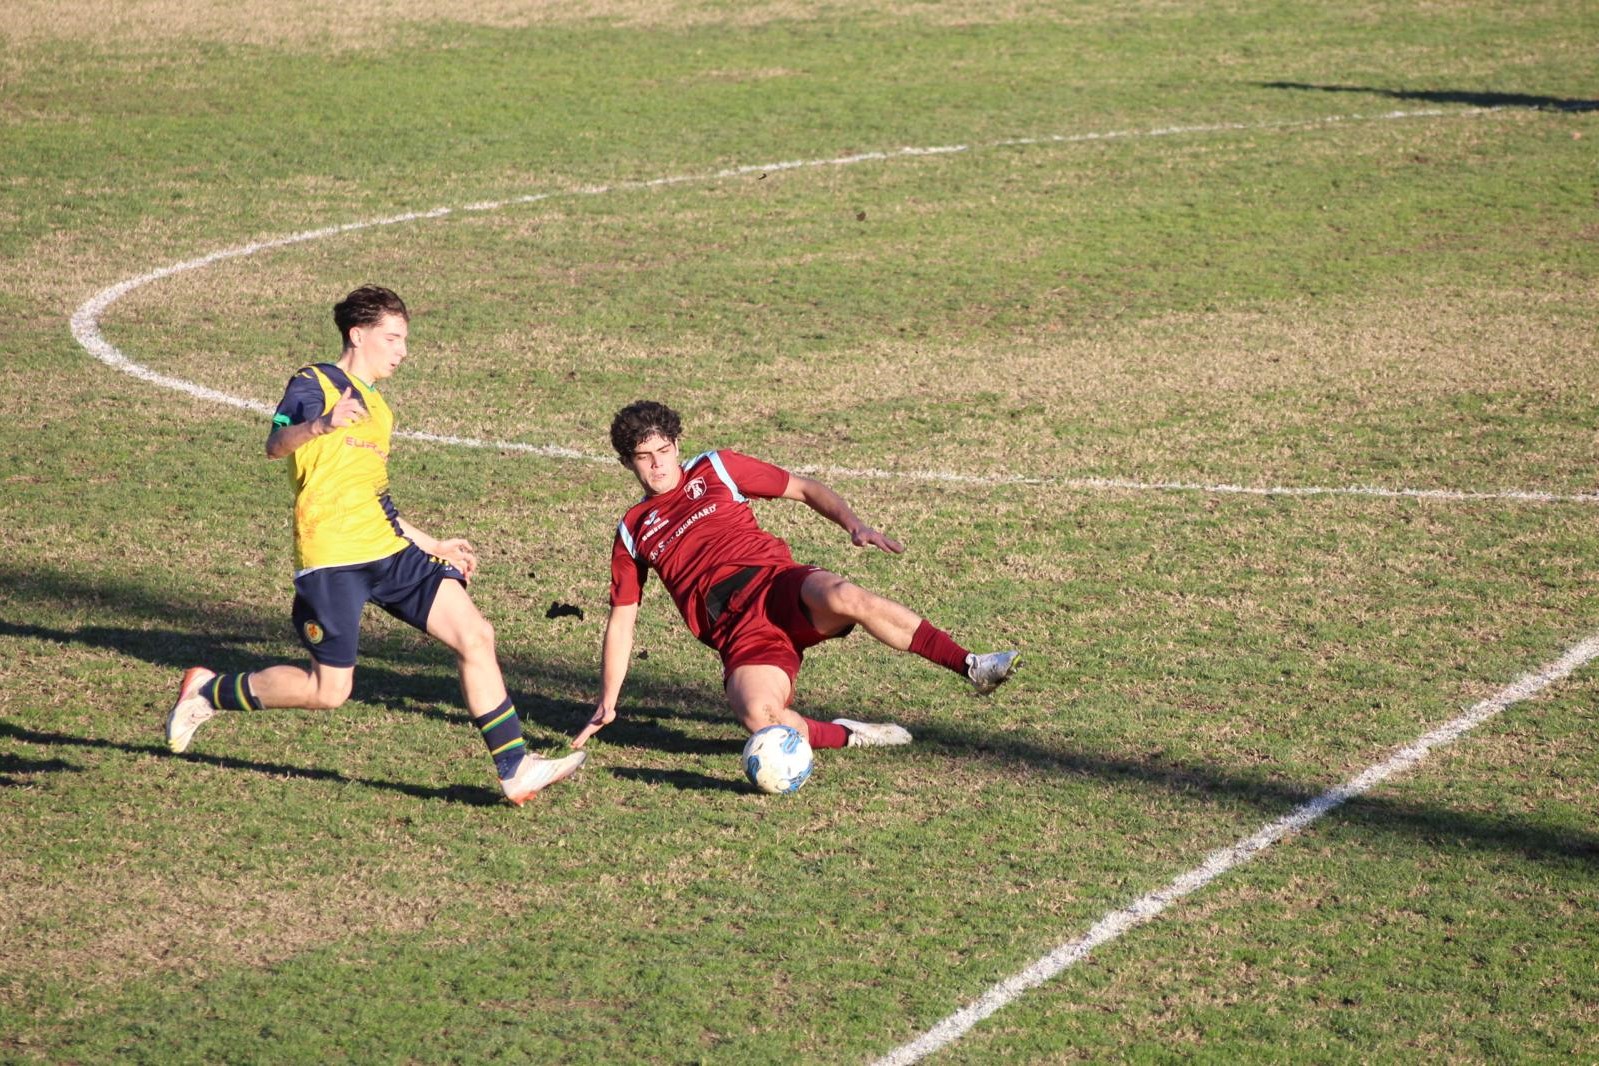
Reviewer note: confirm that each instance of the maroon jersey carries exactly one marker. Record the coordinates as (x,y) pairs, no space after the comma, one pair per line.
(698,533)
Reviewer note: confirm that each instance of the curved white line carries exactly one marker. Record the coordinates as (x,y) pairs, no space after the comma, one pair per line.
(1147,908)
(86,320)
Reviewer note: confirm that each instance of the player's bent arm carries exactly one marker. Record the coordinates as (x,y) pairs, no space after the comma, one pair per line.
(456,550)
(823,500)
(831,506)
(422,540)
(286,439)
(615,654)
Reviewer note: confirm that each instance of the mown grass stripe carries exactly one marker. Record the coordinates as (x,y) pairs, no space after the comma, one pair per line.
(1147,908)
(85,321)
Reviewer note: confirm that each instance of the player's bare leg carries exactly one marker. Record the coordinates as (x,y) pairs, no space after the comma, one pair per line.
(456,622)
(760,696)
(316,687)
(201,694)
(833,603)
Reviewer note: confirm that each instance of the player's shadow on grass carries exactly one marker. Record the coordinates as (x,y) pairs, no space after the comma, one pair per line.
(1449,96)
(1442,826)
(683,780)
(399,671)
(467,794)
(382,685)
(18,764)
(231,639)
(471,796)
(226,647)
(643,727)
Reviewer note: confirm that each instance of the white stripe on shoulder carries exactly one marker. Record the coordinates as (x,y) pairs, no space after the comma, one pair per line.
(727,479)
(627,538)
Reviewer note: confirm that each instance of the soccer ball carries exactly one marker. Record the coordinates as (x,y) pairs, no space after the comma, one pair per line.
(777,759)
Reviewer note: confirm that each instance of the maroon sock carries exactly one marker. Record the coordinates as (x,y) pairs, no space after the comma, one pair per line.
(935,645)
(827,734)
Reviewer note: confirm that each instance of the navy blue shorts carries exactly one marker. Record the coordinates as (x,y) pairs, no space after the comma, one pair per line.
(328,600)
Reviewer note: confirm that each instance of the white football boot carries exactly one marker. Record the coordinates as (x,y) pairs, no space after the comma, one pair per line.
(537,772)
(874,734)
(191,711)
(988,672)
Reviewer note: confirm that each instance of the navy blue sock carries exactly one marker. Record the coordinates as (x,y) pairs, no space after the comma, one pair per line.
(502,732)
(230,692)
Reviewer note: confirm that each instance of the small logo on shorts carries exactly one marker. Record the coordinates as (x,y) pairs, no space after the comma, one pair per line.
(696,488)
(314,633)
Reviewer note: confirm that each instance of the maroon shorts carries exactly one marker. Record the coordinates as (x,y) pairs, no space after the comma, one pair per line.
(764,624)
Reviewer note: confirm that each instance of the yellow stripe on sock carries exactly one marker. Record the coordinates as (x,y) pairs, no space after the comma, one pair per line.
(497,721)
(507,747)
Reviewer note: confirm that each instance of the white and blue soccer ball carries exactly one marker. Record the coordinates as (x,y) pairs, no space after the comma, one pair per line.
(777,759)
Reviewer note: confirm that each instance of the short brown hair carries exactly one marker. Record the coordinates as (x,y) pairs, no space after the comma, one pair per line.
(367,306)
(635,422)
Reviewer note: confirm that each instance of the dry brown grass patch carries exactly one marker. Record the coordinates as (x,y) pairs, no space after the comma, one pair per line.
(361,24)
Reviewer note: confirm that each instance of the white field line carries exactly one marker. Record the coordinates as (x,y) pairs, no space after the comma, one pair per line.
(1146,908)
(86,320)
(1100,484)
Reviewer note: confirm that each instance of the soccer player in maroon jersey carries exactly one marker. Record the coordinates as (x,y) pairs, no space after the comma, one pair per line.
(739,588)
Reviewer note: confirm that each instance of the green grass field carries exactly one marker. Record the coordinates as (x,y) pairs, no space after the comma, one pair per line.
(1244,243)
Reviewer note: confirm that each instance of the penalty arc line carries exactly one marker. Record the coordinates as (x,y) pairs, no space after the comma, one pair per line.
(1149,907)
(85,322)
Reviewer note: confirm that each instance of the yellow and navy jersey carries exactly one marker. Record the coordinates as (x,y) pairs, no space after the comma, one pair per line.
(342,510)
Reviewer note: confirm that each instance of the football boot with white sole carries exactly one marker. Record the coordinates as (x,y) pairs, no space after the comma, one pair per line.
(191,711)
(536,773)
(874,734)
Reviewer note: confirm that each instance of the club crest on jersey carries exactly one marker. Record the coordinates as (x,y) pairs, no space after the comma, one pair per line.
(695,488)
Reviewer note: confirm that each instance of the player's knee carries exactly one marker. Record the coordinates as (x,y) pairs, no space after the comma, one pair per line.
(476,639)
(329,694)
(847,598)
(757,716)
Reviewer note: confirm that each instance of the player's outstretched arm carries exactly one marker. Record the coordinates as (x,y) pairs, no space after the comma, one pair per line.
(831,506)
(615,654)
(456,550)
(285,439)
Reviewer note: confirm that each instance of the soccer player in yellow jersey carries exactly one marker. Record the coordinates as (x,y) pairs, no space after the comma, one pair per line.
(351,546)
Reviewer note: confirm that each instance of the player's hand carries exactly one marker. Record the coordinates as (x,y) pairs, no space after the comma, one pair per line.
(459,552)
(348,411)
(603,716)
(867,537)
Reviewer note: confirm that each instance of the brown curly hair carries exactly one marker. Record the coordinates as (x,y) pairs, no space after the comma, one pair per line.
(637,421)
